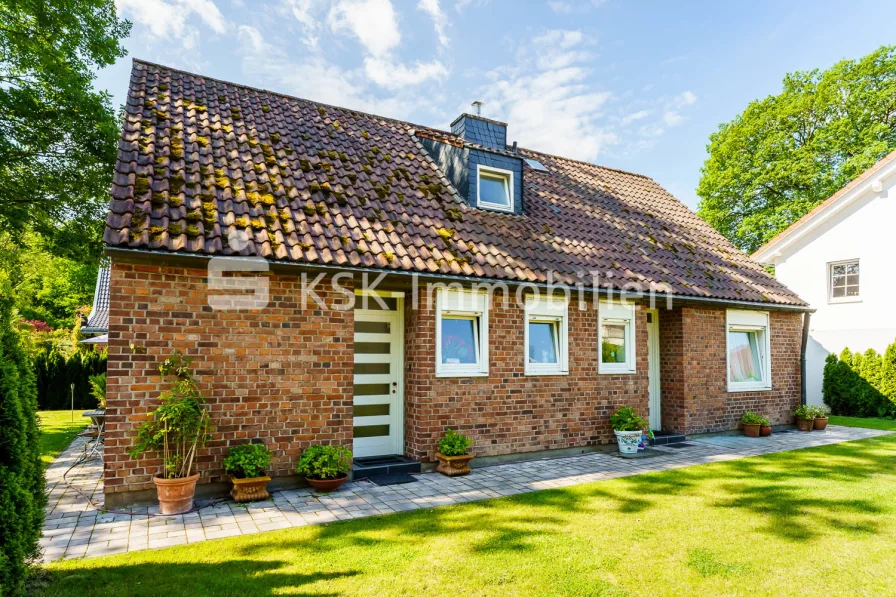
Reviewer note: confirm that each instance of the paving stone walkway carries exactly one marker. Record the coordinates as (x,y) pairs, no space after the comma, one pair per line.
(75,528)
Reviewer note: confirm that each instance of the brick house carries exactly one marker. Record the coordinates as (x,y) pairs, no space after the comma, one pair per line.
(246,229)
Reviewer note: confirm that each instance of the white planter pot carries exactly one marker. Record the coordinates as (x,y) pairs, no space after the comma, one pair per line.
(628,441)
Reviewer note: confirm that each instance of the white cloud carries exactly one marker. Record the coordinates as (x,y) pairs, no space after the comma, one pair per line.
(394,76)
(639,115)
(439,19)
(561,7)
(167,19)
(685,99)
(307,13)
(672,118)
(373,22)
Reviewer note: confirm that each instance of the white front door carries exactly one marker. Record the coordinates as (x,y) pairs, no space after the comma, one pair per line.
(653,370)
(378,377)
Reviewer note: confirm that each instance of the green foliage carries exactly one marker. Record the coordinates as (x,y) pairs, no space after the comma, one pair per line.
(786,153)
(180,426)
(22,498)
(98,388)
(454,444)
(626,419)
(324,462)
(56,374)
(804,412)
(819,411)
(58,136)
(861,384)
(752,419)
(247,461)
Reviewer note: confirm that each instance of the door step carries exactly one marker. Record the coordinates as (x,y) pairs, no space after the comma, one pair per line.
(385,470)
(662,439)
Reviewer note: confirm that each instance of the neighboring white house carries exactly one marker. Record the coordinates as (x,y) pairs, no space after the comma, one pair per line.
(840,258)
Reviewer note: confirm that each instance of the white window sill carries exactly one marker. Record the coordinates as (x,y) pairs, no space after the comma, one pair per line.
(616,371)
(461,374)
(530,373)
(845,300)
(495,207)
(748,388)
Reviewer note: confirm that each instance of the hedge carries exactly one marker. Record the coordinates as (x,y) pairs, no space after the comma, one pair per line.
(55,374)
(22,498)
(861,384)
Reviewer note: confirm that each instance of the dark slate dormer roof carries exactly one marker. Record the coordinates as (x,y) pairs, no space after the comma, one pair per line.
(98,320)
(202,161)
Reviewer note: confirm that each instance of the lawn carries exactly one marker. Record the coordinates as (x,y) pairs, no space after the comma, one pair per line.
(867,423)
(58,431)
(819,521)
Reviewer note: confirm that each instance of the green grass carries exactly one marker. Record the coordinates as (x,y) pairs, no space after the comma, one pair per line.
(810,522)
(58,431)
(867,423)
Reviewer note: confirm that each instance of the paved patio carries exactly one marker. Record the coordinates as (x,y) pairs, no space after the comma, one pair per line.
(74,528)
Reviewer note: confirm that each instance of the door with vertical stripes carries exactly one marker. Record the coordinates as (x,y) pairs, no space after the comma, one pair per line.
(378,391)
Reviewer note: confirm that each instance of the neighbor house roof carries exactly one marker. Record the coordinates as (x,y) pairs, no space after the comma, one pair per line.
(839,200)
(214,168)
(98,320)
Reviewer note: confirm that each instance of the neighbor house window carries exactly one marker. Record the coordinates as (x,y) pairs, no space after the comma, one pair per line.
(749,366)
(494,188)
(616,338)
(844,281)
(461,333)
(546,336)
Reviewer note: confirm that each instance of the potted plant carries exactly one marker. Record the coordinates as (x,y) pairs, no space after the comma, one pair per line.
(452,454)
(246,465)
(176,430)
(765,428)
(821,417)
(752,422)
(627,426)
(805,417)
(98,389)
(325,468)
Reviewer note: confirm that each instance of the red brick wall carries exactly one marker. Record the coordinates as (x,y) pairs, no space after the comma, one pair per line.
(283,374)
(508,411)
(694,382)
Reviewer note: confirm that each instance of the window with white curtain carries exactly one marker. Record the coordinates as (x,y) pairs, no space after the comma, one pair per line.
(546,336)
(616,338)
(461,333)
(748,350)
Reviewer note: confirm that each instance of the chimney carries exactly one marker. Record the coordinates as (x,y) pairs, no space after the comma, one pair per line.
(474,128)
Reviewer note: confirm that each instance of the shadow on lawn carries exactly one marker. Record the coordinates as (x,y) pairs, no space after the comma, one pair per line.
(230,577)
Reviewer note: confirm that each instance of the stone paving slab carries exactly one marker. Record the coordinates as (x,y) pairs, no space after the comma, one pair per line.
(75,528)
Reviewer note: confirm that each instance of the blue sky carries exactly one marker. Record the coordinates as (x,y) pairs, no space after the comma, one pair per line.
(635,85)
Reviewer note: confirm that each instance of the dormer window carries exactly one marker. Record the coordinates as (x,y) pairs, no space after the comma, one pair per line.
(494,188)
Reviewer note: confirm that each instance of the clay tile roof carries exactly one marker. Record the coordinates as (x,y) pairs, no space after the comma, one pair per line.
(214,168)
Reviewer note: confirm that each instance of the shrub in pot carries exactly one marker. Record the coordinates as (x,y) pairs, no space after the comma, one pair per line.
(821,417)
(452,454)
(627,426)
(805,417)
(246,464)
(325,468)
(176,431)
(752,422)
(765,428)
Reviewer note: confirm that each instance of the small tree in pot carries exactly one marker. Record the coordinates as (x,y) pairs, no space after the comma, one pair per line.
(821,413)
(246,465)
(627,426)
(177,430)
(325,468)
(452,454)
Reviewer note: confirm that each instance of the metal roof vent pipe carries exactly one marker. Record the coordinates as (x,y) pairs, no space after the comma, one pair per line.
(477,108)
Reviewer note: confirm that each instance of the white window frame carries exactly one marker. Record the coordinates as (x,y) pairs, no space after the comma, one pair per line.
(554,311)
(750,321)
(617,313)
(830,272)
(463,304)
(508,175)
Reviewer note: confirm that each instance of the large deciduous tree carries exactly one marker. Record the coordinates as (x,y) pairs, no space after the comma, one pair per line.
(787,153)
(57,134)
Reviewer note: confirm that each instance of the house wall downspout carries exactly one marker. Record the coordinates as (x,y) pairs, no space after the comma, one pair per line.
(803,346)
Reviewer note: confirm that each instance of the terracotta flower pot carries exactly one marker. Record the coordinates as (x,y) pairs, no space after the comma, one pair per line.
(805,424)
(454,466)
(751,430)
(176,495)
(765,430)
(253,489)
(821,423)
(325,485)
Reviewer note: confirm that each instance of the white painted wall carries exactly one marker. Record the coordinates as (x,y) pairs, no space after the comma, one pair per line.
(865,229)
